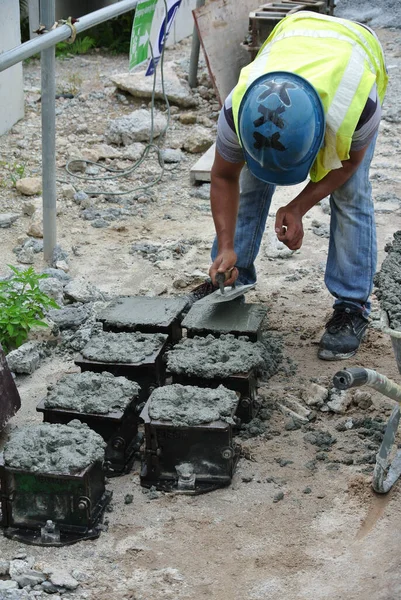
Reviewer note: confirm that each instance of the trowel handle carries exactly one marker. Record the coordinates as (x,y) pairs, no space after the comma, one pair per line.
(221,278)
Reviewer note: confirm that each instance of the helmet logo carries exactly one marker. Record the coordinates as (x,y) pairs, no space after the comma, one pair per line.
(270,115)
(280,89)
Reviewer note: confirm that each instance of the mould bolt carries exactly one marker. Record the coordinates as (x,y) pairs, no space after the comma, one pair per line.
(227,453)
(118,443)
(246,402)
(83,503)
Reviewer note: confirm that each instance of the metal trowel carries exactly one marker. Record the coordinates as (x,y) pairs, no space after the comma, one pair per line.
(226,294)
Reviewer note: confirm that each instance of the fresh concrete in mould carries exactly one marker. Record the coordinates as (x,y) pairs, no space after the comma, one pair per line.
(388,282)
(141,310)
(93,393)
(190,405)
(127,348)
(225,317)
(47,448)
(211,357)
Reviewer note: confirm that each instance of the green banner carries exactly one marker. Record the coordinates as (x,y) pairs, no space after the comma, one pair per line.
(141,32)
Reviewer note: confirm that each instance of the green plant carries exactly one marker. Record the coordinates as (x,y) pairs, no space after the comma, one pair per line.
(80,46)
(72,86)
(22,306)
(14,171)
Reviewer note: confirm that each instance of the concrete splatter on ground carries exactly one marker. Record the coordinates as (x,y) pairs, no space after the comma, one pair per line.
(132,348)
(191,405)
(89,392)
(47,448)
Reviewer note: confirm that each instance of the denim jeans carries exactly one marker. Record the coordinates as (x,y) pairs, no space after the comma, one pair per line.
(351,262)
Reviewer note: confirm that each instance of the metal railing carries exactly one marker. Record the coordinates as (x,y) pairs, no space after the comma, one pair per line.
(45,44)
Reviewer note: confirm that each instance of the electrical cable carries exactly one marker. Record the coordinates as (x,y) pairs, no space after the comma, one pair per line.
(150,146)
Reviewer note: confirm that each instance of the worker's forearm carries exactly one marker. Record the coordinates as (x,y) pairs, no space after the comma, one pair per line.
(314,192)
(224,200)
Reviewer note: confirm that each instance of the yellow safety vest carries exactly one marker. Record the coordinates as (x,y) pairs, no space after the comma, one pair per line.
(341,59)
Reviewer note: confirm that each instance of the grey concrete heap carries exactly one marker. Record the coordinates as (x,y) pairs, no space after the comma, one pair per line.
(129,348)
(189,405)
(388,282)
(141,310)
(98,393)
(60,449)
(211,357)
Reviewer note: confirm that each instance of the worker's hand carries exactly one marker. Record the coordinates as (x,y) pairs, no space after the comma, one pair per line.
(289,228)
(225,261)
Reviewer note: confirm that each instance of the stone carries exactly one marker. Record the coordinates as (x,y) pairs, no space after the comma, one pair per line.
(362,399)
(58,255)
(291,407)
(7,219)
(58,274)
(4,566)
(176,90)
(62,265)
(6,585)
(100,223)
(29,186)
(19,567)
(26,256)
(279,496)
(30,206)
(69,317)
(172,156)
(79,197)
(35,228)
(68,191)
(80,290)
(31,578)
(198,140)
(188,118)
(128,498)
(54,288)
(24,359)
(339,400)
(104,151)
(134,151)
(135,127)
(63,579)
(47,334)
(315,395)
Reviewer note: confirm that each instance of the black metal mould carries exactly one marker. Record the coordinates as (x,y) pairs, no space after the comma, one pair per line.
(119,429)
(243,383)
(145,314)
(149,373)
(48,509)
(190,460)
(234,317)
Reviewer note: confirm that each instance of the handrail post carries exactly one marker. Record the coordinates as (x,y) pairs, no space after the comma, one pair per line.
(48,92)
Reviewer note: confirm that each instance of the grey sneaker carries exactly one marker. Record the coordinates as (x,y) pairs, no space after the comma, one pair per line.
(344,332)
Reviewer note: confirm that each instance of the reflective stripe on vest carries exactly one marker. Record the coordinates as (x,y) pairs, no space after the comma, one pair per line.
(349,63)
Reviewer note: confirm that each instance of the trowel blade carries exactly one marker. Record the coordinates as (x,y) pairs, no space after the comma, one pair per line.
(229,294)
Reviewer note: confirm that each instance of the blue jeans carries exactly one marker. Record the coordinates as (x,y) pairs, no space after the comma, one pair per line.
(351,262)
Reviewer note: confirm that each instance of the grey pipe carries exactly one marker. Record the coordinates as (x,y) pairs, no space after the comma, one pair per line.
(48,69)
(47,40)
(194,59)
(358,376)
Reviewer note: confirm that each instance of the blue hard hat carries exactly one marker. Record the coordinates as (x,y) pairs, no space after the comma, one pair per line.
(281,127)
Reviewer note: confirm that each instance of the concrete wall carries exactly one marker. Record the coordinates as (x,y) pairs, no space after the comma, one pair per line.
(11,82)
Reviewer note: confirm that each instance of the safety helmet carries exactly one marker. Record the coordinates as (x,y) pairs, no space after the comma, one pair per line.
(281,127)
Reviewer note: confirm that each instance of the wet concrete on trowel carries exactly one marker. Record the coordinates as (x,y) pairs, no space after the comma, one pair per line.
(142,310)
(129,348)
(48,448)
(227,317)
(92,393)
(211,357)
(388,282)
(190,405)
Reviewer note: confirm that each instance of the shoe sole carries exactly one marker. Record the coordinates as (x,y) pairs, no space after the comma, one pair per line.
(328,355)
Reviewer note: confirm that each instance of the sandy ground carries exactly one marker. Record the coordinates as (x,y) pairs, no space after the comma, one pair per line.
(338,541)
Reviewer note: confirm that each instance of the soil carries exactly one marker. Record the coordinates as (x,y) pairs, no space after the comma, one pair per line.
(299,520)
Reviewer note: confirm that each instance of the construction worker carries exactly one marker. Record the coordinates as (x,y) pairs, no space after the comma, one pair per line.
(309,103)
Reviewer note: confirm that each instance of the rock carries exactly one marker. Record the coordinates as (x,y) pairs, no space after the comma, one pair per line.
(26,256)
(188,118)
(7,585)
(20,566)
(362,399)
(279,496)
(54,288)
(176,90)
(24,359)
(63,580)
(276,249)
(58,274)
(105,151)
(134,127)
(80,576)
(36,245)
(172,156)
(91,155)
(7,219)
(320,229)
(59,255)
(30,206)
(31,578)
(47,334)
(315,395)
(68,191)
(35,228)
(198,140)
(128,498)
(62,265)
(100,223)
(80,290)
(134,151)
(29,186)
(49,588)
(291,406)
(69,317)
(339,400)
(325,205)
(79,339)
(4,566)
(80,197)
